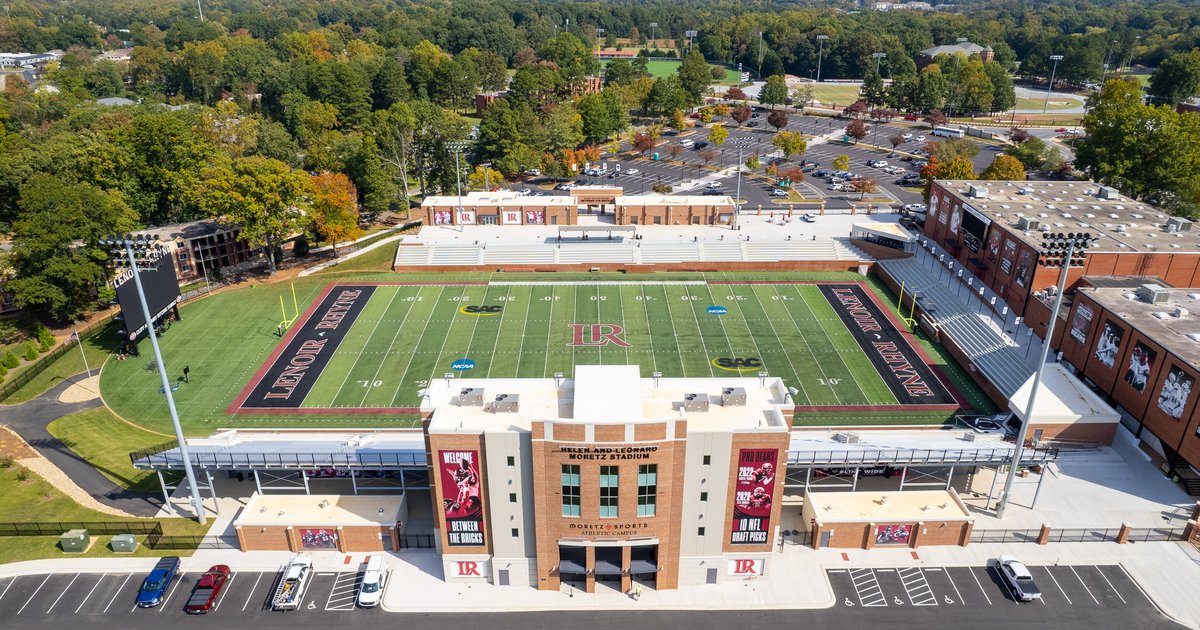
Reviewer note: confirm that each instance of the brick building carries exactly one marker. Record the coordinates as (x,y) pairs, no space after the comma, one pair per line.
(995,228)
(206,246)
(508,208)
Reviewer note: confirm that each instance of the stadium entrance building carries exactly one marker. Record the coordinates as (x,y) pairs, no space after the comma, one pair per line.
(510,208)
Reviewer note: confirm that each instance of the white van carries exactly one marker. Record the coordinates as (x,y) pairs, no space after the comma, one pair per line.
(687,144)
(370,591)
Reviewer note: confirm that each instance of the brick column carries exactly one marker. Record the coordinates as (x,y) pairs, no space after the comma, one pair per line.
(293,543)
(241,539)
(964,538)
(1196,512)
(816,535)
(1191,533)
(822,212)
(1044,535)
(626,563)
(869,536)
(341,539)
(914,539)
(1123,535)
(590,571)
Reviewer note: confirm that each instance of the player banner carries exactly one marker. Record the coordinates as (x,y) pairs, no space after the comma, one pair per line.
(462,498)
(754,487)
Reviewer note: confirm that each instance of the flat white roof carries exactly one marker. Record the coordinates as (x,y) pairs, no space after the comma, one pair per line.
(674,200)
(327,510)
(497,199)
(888,230)
(888,507)
(1062,399)
(608,393)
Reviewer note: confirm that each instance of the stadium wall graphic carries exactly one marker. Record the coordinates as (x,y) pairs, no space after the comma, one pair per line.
(754,487)
(462,502)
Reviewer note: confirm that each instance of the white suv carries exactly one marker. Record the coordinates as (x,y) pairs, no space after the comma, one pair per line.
(373,581)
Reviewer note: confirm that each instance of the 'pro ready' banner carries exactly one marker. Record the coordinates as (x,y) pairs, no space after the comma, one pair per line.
(754,487)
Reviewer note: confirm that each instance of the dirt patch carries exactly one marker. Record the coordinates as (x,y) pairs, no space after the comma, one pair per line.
(81,391)
(13,447)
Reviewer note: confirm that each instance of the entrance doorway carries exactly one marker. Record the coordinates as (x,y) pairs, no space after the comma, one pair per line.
(489,219)
(643,565)
(572,566)
(609,568)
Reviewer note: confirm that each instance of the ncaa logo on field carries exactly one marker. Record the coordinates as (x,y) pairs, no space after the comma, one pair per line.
(480,311)
(737,364)
(717,310)
(463,364)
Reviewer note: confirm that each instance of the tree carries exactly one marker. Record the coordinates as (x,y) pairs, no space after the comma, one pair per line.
(56,258)
(864,186)
(665,97)
(1176,79)
(619,72)
(735,94)
(857,129)
(855,109)
(1004,168)
(972,90)
(1004,95)
(753,163)
(778,119)
(265,198)
(694,76)
(947,148)
(1035,154)
(804,95)
(707,155)
(790,143)
(883,114)
(485,177)
(774,91)
(872,90)
(841,162)
(334,208)
(674,149)
(957,167)
(740,114)
(394,129)
(793,174)
(718,134)
(643,142)
(678,120)
(935,118)
(895,140)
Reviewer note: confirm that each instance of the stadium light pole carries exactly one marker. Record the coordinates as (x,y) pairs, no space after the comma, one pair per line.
(740,143)
(149,254)
(457,147)
(653,32)
(1054,71)
(1056,249)
(878,57)
(820,52)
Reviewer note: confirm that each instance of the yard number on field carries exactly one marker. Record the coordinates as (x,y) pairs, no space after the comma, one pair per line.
(371,383)
(829,381)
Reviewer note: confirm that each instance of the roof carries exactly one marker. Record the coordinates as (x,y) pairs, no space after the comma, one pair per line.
(114,101)
(496,198)
(1062,399)
(292,449)
(1157,321)
(674,200)
(966,48)
(824,448)
(886,230)
(188,231)
(889,507)
(594,389)
(321,510)
(1123,224)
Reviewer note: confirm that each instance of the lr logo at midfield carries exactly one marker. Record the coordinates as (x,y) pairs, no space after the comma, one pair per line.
(597,335)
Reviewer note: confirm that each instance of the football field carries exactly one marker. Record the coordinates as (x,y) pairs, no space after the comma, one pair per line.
(374,346)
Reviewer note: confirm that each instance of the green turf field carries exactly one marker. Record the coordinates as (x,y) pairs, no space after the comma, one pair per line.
(667,67)
(408,335)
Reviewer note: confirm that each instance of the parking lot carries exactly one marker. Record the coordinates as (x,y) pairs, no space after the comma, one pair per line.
(84,597)
(1078,586)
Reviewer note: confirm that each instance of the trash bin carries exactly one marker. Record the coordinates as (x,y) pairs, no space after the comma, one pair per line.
(655,156)
(124,543)
(75,541)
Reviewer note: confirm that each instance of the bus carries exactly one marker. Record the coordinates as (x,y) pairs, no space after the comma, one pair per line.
(949,132)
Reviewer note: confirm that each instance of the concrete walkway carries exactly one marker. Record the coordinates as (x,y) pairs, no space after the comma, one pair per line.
(29,420)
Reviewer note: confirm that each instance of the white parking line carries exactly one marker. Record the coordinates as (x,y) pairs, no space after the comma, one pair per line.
(178,581)
(1060,588)
(10,583)
(225,591)
(119,590)
(867,587)
(341,596)
(64,592)
(917,587)
(35,592)
(1085,587)
(1110,586)
(252,589)
(89,595)
(953,586)
(980,585)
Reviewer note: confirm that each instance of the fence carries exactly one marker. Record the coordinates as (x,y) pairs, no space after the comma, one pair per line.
(159,542)
(58,528)
(23,377)
(416,541)
(152,450)
(1112,534)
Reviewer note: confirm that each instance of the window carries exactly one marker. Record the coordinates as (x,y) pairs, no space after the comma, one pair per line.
(610,480)
(700,531)
(512,461)
(516,533)
(703,496)
(512,497)
(707,459)
(647,489)
(570,490)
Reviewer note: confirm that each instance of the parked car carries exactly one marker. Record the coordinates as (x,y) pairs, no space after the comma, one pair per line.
(906,158)
(712,185)
(292,582)
(910,117)
(687,144)
(808,217)
(632,171)
(779,192)
(752,123)
(920,138)
(207,588)
(820,173)
(906,136)
(837,187)
(695,116)
(702,144)
(1017,578)
(877,163)
(524,191)
(564,186)
(534,172)
(712,192)
(921,163)
(154,587)
(370,591)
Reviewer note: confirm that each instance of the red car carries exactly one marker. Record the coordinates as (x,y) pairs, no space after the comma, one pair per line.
(1061,130)
(208,587)
(910,117)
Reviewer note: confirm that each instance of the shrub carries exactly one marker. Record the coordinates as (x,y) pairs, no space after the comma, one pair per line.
(44,336)
(5,463)
(10,360)
(23,474)
(31,351)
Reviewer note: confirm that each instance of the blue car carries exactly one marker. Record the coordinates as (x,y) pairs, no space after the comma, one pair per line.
(155,586)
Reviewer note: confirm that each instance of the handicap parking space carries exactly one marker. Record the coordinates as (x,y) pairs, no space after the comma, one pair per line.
(1090,586)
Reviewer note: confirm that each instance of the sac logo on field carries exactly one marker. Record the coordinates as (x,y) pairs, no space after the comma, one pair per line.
(480,311)
(737,364)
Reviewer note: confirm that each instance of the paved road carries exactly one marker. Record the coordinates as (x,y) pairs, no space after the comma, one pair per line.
(1097,598)
(29,420)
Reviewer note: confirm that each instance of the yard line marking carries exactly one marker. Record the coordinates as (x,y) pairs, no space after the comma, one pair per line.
(521,348)
(366,342)
(224,591)
(64,592)
(599,318)
(89,595)
(699,331)
(1085,587)
(1110,585)
(10,583)
(646,308)
(804,340)
(786,354)
(549,330)
(980,585)
(119,590)
(832,343)
(35,592)
(1060,588)
(251,595)
(621,303)
(424,328)
(954,586)
(386,310)
(163,605)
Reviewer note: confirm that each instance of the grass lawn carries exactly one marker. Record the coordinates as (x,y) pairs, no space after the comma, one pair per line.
(378,259)
(1056,102)
(34,499)
(666,67)
(840,93)
(105,441)
(70,363)
(407,335)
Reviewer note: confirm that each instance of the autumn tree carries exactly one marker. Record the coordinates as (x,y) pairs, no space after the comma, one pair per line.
(857,129)
(935,117)
(777,119)
(334,209)
(642,142)
(1004,168)
(674,150)
(484,177)
(707,155)
(864,186)
(740,114)
(895,140)
(735,94)
(841,162)
(718,134)
(790,143)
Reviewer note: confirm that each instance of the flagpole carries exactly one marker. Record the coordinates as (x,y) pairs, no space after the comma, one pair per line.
(79,340)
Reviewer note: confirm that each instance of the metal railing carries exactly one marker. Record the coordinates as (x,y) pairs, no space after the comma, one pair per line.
(1157,534)
(916,457)
(159,542)
(170,459)
(58,528)
(1004,535)
(416,541)
(1110,534)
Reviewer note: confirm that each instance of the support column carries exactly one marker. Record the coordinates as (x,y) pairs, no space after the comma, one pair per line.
(626,568)
(304,476)
(949,476)
(1123,535)
(353,481)
(589,583)
(1038,490)
(854,487)
(914,540)
(1044,534)
(869,536)
(257,482)
(212,491)
(166,495)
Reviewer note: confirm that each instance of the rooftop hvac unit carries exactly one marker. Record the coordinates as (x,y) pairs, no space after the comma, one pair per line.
(977,192)
(1025,190)
(1108,192)
(471,397)
(1181,312)
(846,438)
(695,402)
(1028,223)
(506,403)
(733,397)
(1153,294)
(1178,224)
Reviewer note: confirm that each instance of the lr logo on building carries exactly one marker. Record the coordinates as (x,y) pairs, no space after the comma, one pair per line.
(597,335)
(467,569)
(746,566)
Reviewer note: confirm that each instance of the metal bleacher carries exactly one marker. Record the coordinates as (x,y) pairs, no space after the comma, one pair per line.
(1002,357)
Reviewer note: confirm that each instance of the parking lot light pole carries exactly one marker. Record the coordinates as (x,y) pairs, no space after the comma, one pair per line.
(878,57)
(1056,249)
(457,147)
(820,52)
(1054,71)
(148,255)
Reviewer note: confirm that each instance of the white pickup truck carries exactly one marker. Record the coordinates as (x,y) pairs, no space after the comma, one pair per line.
(293,580)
